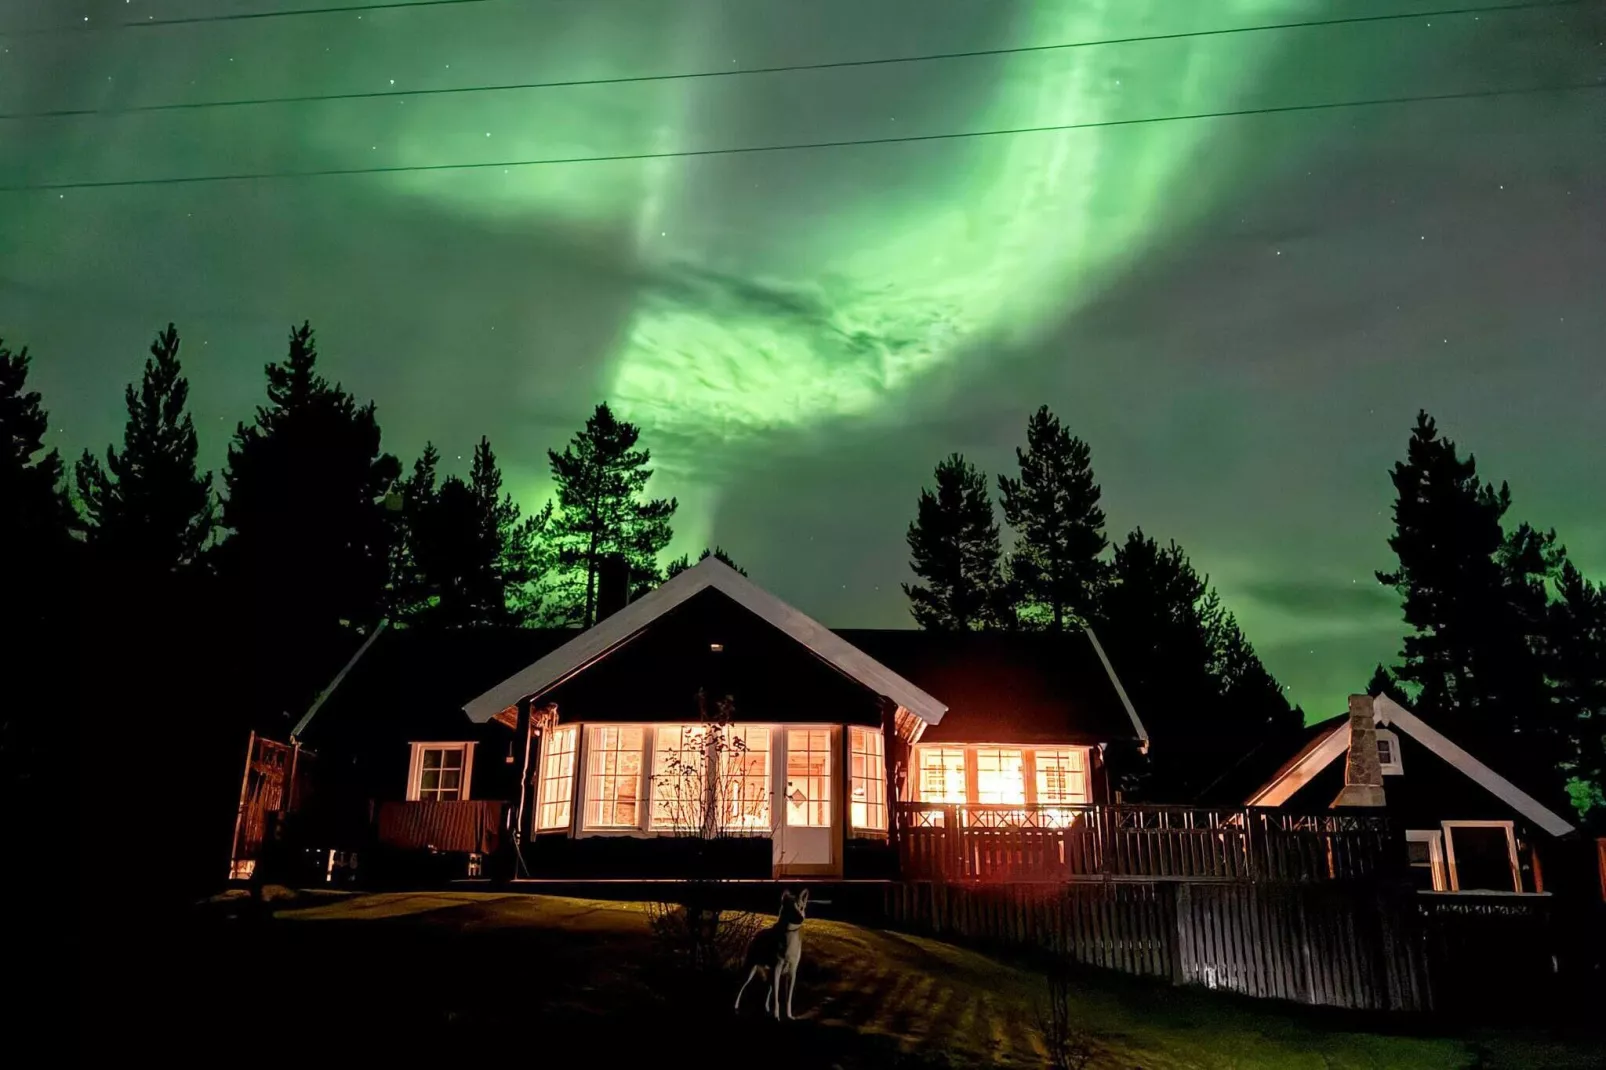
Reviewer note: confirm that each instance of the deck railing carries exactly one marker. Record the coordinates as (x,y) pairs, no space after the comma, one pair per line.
(1011,842)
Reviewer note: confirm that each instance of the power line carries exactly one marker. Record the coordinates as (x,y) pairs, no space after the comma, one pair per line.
(380,94)
(1286,109)
(239,16)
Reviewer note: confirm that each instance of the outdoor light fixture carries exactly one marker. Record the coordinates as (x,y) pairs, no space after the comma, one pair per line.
(716,647)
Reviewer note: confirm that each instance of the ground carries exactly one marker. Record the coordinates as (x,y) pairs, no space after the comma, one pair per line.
(568,982)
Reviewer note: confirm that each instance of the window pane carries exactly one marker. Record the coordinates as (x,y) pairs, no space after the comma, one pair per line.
(680,786)
(745,780)
(942,775)
(868,804)
(557,778)
(1061,777)
(1482,858)
(1000,776)
(430,780)
(613,776)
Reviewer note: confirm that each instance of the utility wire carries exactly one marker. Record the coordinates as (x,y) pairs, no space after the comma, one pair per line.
(238,16)
(380,94)
(247,176)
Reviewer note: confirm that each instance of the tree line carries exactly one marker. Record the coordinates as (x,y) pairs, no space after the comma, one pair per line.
(1504,644)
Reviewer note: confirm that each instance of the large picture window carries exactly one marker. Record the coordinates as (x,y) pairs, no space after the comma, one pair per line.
(868,769)
(679,782)
(1045,778)
(808,777)
(556,789)
(1000,776)
(613,776)
(440,772)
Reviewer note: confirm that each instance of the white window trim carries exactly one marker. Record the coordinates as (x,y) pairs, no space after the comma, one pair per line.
(1511,850)
(1434,838)
(886,797)
(649,738)
(415,767)
(1393,767)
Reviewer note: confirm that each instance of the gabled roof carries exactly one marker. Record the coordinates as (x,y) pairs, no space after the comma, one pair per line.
(607,634)
(1326,745)
(1010,687)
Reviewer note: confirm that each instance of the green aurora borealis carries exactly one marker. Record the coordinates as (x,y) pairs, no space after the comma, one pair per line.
(1241,315)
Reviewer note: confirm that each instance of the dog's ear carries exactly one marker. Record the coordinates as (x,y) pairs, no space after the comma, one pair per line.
(803,899)
(786,896)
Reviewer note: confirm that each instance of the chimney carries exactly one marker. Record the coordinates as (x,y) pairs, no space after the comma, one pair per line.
(613,584)
(1363,773)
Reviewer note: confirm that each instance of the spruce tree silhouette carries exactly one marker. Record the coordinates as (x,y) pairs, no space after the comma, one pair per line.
(684,562)
(601,477)
(147,511)
(1198,685)
(1578,652)
(1475,600)
(1053,507)
(954,548)
(309,547)
(472,552)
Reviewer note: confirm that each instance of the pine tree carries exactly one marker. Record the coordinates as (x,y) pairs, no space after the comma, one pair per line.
(954,548)
(148,509)
(1578,652)
(1053,507)
(1383,683)
(684,562)
(1193,677)
(409,595)
(310,542)
(601,478)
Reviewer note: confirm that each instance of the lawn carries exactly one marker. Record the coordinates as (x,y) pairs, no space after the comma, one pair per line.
(547,981)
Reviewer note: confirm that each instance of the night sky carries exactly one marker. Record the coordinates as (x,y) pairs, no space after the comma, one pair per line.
(1241,315)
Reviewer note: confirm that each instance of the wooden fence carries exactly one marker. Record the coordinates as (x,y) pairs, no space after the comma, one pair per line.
(1333,945)
(1014,843)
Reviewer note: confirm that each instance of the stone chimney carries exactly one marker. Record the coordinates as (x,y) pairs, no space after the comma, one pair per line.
(1363,773)
(613,584)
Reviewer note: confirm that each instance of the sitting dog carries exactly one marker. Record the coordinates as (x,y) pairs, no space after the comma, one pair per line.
(778,949)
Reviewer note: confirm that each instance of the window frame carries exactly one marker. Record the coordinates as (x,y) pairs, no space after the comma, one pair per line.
(875,782)
(825,803)
(1393,766)
(916,789)
(415,768)
(1448,828)
(1434,838)
(543,779)
(643,755)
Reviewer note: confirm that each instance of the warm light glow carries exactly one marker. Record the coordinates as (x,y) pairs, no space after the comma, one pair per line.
(746,776)
(869,778)
(556,789)
(613,776)
(1044,778)
(1000,776)
(679,758)
(1061,775)
(942,775)
(808,777)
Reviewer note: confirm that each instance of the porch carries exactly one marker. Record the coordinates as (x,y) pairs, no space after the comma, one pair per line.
(1015,842)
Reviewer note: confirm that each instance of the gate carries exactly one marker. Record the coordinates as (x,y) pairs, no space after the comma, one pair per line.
(272,785)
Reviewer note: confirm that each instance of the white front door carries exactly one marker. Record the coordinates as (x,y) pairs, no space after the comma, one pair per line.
(807,793)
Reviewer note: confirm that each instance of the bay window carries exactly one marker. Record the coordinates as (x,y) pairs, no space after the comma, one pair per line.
(868,779)
(556,788)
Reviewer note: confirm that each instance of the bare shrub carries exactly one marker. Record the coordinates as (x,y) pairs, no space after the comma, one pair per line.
(1069,1046)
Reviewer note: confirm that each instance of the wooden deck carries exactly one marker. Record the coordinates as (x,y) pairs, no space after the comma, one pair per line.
(1014,843)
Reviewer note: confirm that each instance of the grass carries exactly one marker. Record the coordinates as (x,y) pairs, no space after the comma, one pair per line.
(494,977)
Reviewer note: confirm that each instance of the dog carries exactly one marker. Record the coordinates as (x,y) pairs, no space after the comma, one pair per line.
(778,949)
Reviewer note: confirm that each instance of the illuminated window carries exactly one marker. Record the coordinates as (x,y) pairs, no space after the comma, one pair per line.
(746,777)
(556,789)
(613,776)
(1061,776)
(869,778)
(440,772)
(679,787)
(942,775)
(808,776)
(1000,776)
